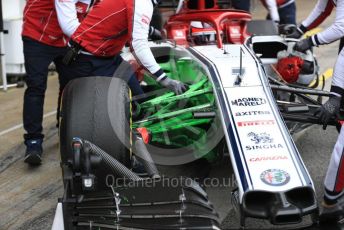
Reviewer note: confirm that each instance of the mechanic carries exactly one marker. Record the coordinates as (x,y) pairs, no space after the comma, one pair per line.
(97,43)
(333,205)
(281,11)
(43,43)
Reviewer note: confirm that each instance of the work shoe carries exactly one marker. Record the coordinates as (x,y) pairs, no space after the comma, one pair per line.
(34,150)
(332,213)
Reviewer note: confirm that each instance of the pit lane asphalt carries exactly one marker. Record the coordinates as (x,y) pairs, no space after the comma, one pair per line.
(28,196)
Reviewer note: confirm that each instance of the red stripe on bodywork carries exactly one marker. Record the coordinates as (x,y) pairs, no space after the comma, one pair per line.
(339,186)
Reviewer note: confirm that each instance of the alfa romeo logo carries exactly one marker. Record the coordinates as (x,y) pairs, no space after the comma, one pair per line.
(275,177)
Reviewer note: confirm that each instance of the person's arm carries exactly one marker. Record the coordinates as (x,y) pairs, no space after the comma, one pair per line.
(271,6)
(67,16)
(321,11)
(329,35)
(143,11)
(335,31)
(332,107)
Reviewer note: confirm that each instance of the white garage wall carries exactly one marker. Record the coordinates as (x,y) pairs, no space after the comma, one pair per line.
(12,9)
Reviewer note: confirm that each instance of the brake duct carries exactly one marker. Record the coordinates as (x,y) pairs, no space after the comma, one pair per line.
(87,154)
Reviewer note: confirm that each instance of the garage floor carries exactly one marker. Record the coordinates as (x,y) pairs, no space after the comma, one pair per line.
(28,195)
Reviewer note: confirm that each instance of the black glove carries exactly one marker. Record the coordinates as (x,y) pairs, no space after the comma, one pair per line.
(328,110)
(176,86)
(154,34)
(291,31)
(303,45)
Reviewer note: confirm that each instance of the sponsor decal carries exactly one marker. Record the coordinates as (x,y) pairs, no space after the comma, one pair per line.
(252,113)
(268,158)
(258,138)
(255,123)
(264,146)
(249,101)
(81,7)
(235,30)
(262,141)
(275,177)
(179,34)
(52,37)
(145,19)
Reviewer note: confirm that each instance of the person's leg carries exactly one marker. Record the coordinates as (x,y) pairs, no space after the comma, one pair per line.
(134,85)
(117,67)
(87,65)
(106,67)
(81,67)
(334,180)
(63,80)
(130,77)
(333,209)
(36,65)
(37,57)
(127,73)
(288,14)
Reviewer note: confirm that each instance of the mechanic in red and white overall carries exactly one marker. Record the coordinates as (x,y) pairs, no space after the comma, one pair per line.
(281,11)
(44,42)
(105,31)
(333,205)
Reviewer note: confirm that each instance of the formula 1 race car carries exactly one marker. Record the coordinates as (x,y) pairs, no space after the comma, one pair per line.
(246,93)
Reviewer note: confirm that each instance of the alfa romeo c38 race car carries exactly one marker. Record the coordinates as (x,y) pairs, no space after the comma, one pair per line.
(246,94)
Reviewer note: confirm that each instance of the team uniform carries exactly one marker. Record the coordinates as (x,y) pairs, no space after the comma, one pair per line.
(334,180)
(105,31)
(44,42)
(281,11)
(102,35)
